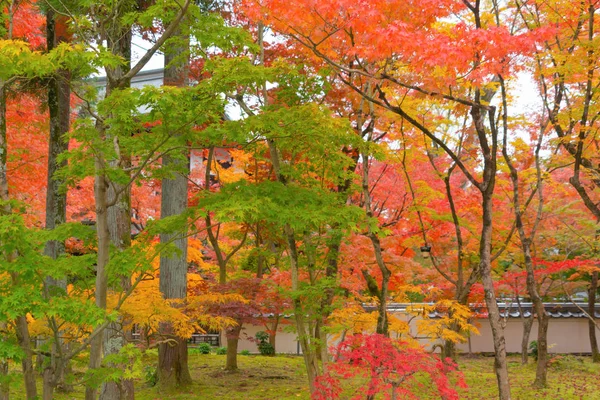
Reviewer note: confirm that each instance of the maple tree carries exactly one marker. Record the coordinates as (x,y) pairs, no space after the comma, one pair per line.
(399,69)
(565,69)
(388,365)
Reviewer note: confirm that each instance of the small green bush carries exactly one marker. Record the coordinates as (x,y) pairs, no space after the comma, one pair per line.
(262,336)
(533,349)
(245,352)
(204,348)
(266,349)
(221,350)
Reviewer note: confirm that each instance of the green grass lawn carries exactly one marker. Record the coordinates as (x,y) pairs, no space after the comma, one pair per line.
(283,377)
(569,377)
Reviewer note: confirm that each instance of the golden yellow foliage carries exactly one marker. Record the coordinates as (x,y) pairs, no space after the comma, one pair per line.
(353,319)
(453,325)
(146,307)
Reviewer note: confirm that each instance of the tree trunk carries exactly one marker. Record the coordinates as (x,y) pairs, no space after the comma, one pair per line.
(527,324)
(114,340)
(119,226)
(308,352)
(382,318)
(540,311)
(22,330)
(59,106)
(4,388)
(500,364)
(233,338)
(173,369)
(591,323)
(462,295)
(100,195)
(449,349)
(273,332)
(172,365)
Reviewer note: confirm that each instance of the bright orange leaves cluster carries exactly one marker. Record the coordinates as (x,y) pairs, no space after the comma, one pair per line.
(433,42)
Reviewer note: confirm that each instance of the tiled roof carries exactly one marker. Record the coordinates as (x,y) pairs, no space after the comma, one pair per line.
(510,310)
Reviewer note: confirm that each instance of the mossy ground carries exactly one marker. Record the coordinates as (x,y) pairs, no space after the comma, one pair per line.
(283,377)
(569,377)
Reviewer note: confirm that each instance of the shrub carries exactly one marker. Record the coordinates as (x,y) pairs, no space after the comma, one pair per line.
(221,350)
(392,368)
(245,352)
(262,336)
(265,348)
(533,349)
(204,348)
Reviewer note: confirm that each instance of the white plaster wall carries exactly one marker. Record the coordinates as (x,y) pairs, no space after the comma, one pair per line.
(568,335)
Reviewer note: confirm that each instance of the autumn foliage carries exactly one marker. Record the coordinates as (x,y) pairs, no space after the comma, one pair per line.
(387,367)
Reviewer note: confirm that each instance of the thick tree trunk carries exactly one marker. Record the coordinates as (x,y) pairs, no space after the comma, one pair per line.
(114,340)
(119,226)
(233,338)
(59,106)
(592,323)
(273,332)
(172,365)
(119,223)
(173,369)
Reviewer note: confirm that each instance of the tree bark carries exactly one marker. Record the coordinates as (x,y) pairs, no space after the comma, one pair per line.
(100,195)
(114,337)
(486,187)
(273,332)
(500,364)
(24,339)
(4,388)
(233,338)
(119,227)
(591,322)
(382,318)
(173,368)
(527,324)
(526,241)
(59,106)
